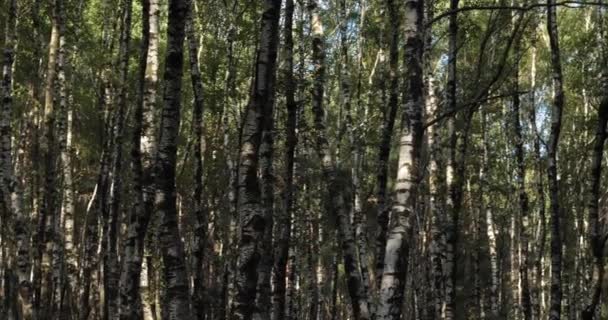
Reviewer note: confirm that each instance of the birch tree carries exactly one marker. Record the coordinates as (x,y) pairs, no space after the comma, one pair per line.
(10,190)
(408,172)
(255,223)
(337,203)
(175,300)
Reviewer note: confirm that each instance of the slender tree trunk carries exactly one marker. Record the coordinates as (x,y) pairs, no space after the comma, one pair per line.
(541,237)
(597,238)
(437,187)
(230,200)
(266,152)
(284,226)
(91,237)
(431,295)
(489,217)
(291,283)
(390,113)
(408,173)
(148,145)
(59,251)
(107,111)
(10,191)
(97,209)
(47,214)
(200,216)
(111,270)
(175,300)
(68,209)
(144,146)
(479,292)
(314,262)
(438,210)
(337,203)
(520,176)
(556,121)
(597,235)
(252,202)
(451,226)
(355,152)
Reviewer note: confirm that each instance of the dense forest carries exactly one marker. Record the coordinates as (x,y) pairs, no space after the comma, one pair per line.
(303,159)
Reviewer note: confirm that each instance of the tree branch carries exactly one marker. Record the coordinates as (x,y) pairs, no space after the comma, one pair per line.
(469,104)
(569,4)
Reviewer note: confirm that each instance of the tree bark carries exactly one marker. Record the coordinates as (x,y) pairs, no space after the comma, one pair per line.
(253,213)
(284,226)
(175,300)
(97,208)
(452,174)
(337,202)
(556,121)
(266,152)
(384,150)
(489,220)
(408,173)
(357,214)
(541,238)
(47,215)
(62,234)
(230,201)
(11,201)
(597,237)
(520,177)
(111,270)
(144,146)
(200,216)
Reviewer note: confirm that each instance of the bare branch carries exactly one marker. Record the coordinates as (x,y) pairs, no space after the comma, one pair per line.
(469,104)
(569,4)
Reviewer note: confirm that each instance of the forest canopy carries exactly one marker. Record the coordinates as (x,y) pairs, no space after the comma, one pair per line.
(303,159)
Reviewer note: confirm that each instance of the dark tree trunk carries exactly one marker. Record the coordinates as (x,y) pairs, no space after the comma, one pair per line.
(556,122)
(597,238)
(10,190)
(520,175)
(97,209)
(111,270)
(200,216)
(452,174)
(176,296)
(144,145)
(47,215)
(282,247)
(255,222)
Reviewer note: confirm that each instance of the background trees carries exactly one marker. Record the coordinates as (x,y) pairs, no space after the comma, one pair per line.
(343,159)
